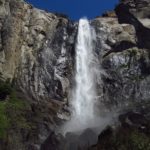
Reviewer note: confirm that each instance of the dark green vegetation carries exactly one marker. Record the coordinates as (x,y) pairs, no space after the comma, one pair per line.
(124,139)
(132,134)
(12,110)
(21,119)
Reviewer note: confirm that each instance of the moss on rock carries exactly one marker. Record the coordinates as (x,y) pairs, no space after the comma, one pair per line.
(12,111)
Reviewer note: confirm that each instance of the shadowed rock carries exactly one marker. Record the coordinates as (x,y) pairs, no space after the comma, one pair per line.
(125,16)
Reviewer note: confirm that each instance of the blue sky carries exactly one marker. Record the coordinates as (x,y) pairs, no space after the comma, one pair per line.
(76,9)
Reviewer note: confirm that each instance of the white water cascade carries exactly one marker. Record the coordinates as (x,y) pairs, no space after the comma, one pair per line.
(84,93)
(85,108)
(84,99)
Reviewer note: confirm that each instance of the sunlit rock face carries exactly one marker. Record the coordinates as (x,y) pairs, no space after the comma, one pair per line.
(122,61)
(37,55)
(46,50)
(36,50)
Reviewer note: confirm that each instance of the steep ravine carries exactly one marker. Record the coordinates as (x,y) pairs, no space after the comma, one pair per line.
(37,60)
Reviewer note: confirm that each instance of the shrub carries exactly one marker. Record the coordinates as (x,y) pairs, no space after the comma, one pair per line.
(12,110)
(139,141)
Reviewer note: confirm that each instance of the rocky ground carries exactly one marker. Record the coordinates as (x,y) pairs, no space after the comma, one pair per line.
(133,133)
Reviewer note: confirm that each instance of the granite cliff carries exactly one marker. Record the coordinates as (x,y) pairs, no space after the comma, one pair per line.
(37,50)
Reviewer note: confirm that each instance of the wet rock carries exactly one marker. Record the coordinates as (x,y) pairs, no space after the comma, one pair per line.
(140,8)
(133,133)
(80,140)
(135,120)
(53,142)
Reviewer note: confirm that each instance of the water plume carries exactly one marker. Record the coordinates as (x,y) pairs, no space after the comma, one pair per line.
(84,94)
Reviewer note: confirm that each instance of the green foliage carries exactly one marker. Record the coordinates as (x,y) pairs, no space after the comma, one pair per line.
(12,111)
(4,121)
(126,139)
(131,140)
(133,52)
(140,141)
(124,66)
(16,112)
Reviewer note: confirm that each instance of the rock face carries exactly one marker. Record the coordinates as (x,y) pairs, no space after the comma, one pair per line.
(123,60)
(37,52)
(140,8)
(36,55)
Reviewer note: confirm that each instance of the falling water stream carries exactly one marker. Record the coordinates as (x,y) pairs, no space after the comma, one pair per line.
(84,93)
(83,99)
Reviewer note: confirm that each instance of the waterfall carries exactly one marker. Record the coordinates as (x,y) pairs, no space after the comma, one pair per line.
(84,93)
(84,96)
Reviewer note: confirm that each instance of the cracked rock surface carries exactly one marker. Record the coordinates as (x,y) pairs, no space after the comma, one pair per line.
(37,55)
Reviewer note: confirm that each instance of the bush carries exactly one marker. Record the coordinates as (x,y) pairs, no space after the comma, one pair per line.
(4,121)
(131,139)
(12,110)
(139,141)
